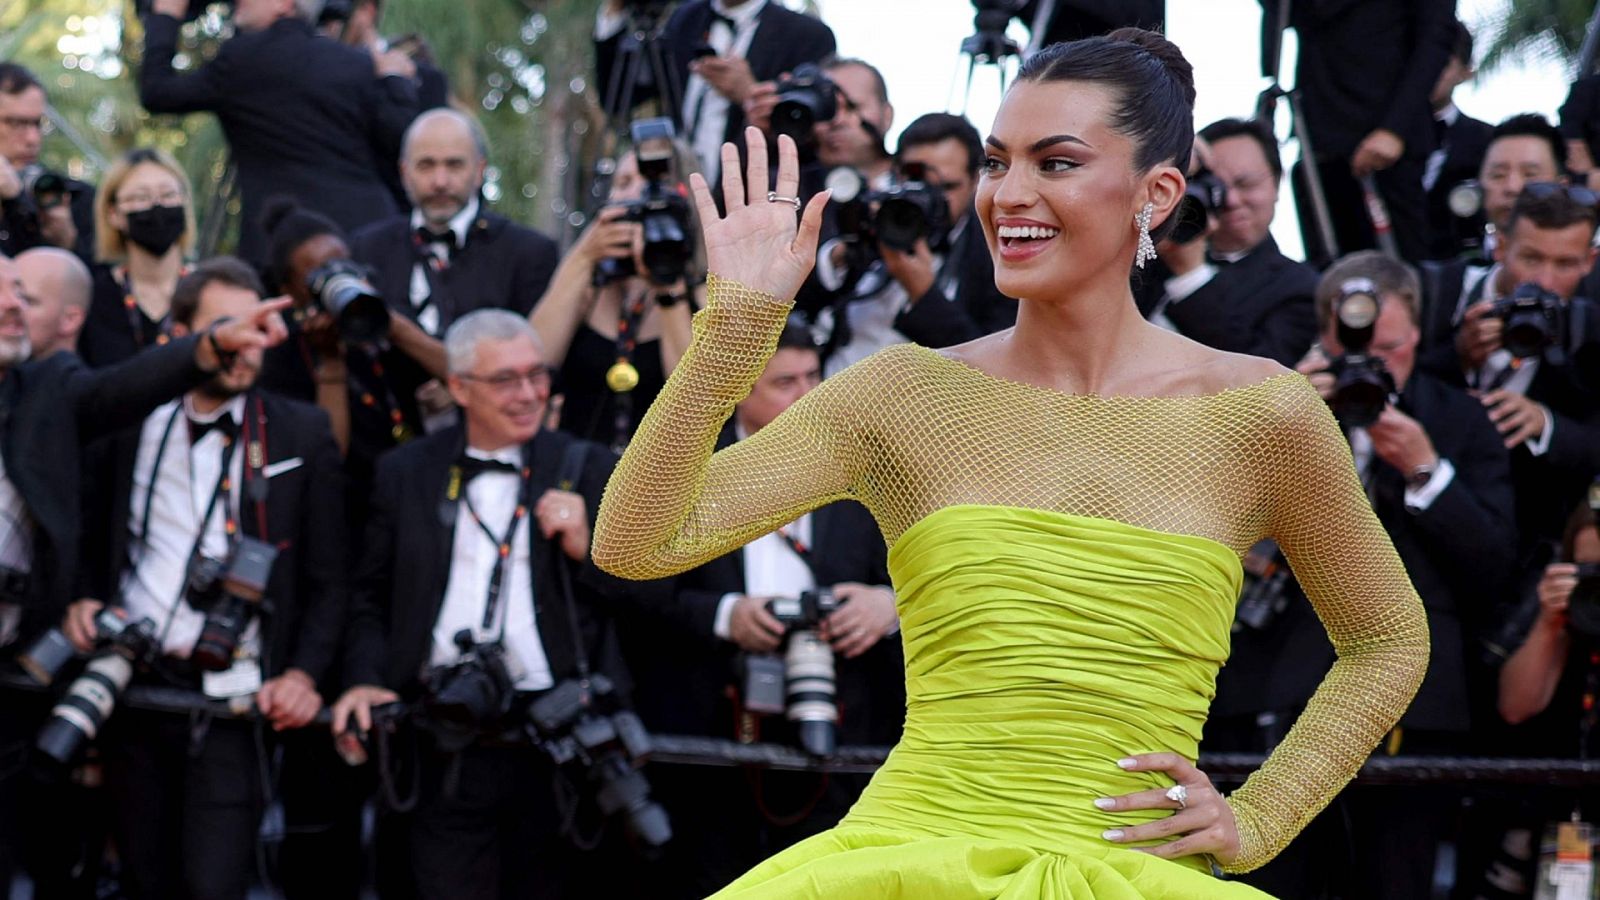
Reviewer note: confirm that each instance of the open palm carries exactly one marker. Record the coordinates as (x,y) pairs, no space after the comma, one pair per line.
(760,243)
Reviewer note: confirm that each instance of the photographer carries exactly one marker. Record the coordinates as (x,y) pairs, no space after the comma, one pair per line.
(467,532)
(608,324)
(715,52)
(1460,142)
(303,115)
(1538,400)
(210,476)
(1440,484)
(37,207)
(55,285)
(1230,287)
(684,653)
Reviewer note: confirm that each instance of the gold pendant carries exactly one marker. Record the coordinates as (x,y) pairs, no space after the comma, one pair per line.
(401,432)
(622,377)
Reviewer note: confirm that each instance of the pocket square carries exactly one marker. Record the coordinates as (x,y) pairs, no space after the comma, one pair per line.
(283,465)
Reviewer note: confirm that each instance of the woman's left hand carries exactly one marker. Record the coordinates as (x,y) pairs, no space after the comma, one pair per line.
(1203,825)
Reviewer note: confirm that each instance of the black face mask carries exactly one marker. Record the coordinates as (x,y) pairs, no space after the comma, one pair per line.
(156,229)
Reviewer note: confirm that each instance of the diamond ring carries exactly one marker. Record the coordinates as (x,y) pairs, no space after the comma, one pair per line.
(1180,795)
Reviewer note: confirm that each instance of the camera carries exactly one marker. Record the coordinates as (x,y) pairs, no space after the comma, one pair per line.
(89,701)
(806,98)
(48,188)
(800,683)
(1204,197)
(343,289)
(1265,593)
(1533,320)
(988,42)
(583,721)
(910,210)
(474,693)
(229,593)
(1363,385)
(663,211)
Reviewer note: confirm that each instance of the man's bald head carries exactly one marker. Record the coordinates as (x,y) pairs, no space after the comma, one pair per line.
(55,293)
(442,163)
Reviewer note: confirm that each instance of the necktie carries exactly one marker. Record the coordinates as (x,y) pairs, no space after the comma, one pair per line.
(224,424)
(446,237)
(471,467)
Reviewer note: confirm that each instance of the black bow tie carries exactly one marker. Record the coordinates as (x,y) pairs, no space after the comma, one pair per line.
(446,237)
(223,423)
(719,17)
(471,467)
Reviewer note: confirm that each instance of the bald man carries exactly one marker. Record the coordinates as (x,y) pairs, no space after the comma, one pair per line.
(55,294)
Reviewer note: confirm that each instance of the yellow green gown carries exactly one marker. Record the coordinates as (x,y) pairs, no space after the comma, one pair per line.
(1065,568)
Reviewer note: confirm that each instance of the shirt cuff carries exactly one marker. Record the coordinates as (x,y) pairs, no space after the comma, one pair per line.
(1419,499)
(608,25)
(722,625)
(1181,286)
(1540,445)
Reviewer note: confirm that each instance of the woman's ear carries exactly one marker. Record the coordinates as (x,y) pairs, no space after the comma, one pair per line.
(1165,186)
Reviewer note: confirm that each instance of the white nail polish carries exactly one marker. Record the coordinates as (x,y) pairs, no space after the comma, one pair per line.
(1127,763)
(1105,803)
(1112,834)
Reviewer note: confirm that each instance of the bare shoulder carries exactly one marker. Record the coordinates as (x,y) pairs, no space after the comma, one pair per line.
(1189,368)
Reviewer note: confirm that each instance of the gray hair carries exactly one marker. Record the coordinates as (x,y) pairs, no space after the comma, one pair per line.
(462,339)
(480,141)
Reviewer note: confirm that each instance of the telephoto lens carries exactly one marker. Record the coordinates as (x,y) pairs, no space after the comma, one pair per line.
(80,714)
(809,676)
(342,289)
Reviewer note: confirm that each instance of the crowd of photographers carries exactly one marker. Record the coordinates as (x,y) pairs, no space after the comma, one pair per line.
(296,591)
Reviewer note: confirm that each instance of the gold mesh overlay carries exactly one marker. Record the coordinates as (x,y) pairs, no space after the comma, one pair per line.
(910,431)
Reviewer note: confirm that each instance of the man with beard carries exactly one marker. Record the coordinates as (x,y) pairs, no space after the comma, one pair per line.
(223,471)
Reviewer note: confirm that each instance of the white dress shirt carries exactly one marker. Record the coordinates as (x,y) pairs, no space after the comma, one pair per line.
(153,586)
(421,289)
(1495,368)
(16,548)
(1430,173)
(1417,499)
(473,560)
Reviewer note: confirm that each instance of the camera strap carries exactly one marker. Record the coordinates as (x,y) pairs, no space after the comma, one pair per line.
(800,549)
(567,478)
(503,545)
(433,266)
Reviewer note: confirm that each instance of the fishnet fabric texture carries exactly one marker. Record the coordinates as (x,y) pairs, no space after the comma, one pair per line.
(909,431)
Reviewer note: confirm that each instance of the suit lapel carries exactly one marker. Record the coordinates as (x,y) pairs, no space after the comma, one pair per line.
(549,606)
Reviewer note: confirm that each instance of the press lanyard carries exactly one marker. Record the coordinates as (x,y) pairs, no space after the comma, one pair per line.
(136,316)
(398,429)
(800,549)
(503,546)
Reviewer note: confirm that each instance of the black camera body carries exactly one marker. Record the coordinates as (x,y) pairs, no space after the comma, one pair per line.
(343,289)
(1264,594)
(663,212)
(912,209)
(1204,197)
(1535,319)
(229,593)
(800,683)
(1363,386)
(472,695)
(88,702)
(806,98)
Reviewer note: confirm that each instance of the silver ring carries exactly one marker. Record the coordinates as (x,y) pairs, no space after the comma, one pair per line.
(772,197)
(1180,795)
(565,513)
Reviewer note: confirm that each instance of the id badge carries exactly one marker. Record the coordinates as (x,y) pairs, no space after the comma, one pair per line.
(238,680)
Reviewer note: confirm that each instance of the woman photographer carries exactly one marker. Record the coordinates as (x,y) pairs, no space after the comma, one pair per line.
(144,227)
(616,339)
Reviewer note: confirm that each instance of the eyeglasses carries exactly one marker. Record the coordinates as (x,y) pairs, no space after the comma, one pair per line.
(18,123)
(136,202)
(508,382)
(1540,190)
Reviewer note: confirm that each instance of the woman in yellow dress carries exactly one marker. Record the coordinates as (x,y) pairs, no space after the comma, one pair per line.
(1066,505)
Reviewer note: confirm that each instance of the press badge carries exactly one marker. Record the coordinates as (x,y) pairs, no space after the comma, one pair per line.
(238,680)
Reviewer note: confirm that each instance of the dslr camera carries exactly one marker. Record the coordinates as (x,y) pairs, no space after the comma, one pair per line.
(800,683)
(663,211)
(1535,319)
(82,711)
(343,289)
(1203,198)
(912,209)
(1364,386)
(49,189)
(229,593)
(806,98)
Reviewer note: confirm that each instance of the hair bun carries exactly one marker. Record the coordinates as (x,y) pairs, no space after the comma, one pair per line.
(1166,52)
(275,210)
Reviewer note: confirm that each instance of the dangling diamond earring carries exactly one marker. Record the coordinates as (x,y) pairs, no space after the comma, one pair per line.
(1147,247)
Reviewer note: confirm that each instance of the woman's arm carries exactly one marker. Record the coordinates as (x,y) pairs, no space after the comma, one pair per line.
(671,505)
(427,350)
(1347,565)
(1529,678)
(676,324)
(555,318)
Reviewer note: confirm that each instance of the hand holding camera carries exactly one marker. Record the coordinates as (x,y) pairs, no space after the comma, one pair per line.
(1479,335)
(729,76)
(609,236)
(79,624)
(857,626)
(914,269)
(1401,441)
(752,627)
(759,103)
(1555,595)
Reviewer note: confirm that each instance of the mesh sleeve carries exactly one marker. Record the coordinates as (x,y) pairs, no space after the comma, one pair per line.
(1347,565)
(672,504)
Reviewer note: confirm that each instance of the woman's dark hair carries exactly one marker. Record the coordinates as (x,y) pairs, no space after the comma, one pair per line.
(1153,85)
(287,225)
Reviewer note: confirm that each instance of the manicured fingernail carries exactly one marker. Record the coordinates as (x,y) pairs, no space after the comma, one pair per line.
(1112,834)
(1128,762)
(1105,803)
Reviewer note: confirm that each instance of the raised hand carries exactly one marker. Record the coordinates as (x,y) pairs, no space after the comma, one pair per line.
(760,244)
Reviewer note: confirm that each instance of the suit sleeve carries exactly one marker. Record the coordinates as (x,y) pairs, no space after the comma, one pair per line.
(1579,109)
(395,105)
(366,637)
(162,89)
(1289,327)
(1575,445)
(120,396)
(324,554)
(1428,55)
(1472,521)
(935,321)
(535,264)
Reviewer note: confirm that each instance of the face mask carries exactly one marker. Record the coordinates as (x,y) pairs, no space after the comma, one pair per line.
(156,229)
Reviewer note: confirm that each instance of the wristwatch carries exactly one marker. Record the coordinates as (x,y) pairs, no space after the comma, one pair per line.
(1421,475)
(667,299)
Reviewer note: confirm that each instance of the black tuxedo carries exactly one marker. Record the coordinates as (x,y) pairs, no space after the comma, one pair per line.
(783,40)
(1465,143)
(56,404)
(1261,305)
(304,515)
(963,303)
(400,582)
(304,115)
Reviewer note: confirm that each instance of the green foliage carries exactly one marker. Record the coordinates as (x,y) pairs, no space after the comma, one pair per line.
(1542,30)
